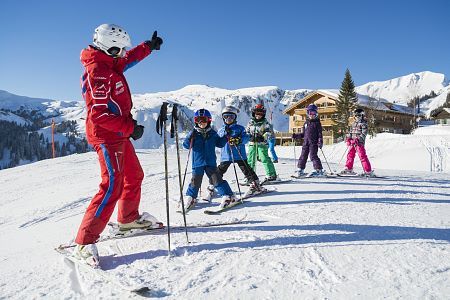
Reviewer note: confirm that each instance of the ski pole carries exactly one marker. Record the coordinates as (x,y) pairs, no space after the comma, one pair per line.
(234,166)
(295,155)
(255,146)
(343,154)
(187,161)
(331,172)
(174,122)
(161,129)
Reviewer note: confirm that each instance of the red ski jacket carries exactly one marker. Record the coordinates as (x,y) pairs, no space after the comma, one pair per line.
(107,95)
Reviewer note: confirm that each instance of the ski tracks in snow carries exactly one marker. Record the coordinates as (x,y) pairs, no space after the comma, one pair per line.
(316,272)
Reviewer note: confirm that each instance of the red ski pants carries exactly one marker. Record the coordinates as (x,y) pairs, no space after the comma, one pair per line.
(122,176)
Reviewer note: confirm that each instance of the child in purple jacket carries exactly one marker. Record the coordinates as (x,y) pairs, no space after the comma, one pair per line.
(312,141)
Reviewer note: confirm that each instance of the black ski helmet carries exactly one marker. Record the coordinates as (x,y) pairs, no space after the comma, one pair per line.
(359,111)
(259,108)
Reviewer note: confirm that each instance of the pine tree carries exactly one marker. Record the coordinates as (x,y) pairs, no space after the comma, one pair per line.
(345,105)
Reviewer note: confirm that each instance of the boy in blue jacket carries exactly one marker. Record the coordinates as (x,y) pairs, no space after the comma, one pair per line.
(203,141)
(236,138)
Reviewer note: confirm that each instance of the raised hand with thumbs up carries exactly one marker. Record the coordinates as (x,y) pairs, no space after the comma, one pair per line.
(156,42)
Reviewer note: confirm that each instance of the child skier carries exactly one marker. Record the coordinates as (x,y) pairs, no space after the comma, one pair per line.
(234,150)
(260,131)
(203,141)
(109,126)
(312,142)
(355,140)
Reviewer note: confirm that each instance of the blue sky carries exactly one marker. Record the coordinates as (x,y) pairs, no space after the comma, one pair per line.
(228,44)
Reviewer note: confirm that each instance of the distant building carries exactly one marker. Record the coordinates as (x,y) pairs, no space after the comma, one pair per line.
(389,117)
(441,116)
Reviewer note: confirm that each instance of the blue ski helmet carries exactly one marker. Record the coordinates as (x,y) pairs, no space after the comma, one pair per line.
(202,115)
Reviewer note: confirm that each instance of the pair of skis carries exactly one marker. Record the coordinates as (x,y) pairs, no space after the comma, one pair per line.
(224,209)
(337,175)
(265,182)
(66,251)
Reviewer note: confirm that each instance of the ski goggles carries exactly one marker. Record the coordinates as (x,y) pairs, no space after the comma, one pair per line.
(201,119)
(116,51)
(229,116)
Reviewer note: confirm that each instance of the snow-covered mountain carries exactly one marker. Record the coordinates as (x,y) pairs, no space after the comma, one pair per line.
(147,106)
(21,109)
(402,89)
(192,97)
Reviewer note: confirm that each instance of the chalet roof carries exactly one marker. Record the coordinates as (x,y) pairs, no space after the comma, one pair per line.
(440,110)
(363,100)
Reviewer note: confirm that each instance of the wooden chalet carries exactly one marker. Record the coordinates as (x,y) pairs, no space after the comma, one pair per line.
(389,117)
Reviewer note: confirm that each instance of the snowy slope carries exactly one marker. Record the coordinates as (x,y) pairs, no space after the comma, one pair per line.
(311,239)
(10,117)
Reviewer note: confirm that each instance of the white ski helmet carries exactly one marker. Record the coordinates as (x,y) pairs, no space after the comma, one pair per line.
(230,110)
(229,114)
(107,36)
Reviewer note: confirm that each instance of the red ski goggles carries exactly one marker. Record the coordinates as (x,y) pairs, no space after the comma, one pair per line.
(202,119)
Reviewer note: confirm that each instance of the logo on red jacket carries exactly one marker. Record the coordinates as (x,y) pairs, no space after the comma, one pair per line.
(119,88)
(99,89)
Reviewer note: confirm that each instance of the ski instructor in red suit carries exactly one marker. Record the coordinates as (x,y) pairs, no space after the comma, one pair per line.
(109,126)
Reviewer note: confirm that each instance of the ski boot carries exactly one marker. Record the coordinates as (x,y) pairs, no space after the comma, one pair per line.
(300,173)
(368,174)
(270,179)
(254,189)
(228,200)
(87,253)
(317,173)
(145,220)
(209,193)
(189,203)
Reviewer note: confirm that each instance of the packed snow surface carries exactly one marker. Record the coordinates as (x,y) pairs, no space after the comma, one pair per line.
(334,238)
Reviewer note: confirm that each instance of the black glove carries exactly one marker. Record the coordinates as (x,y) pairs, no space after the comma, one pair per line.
(155,43)
(234,141)
(320,145)
(138,131)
